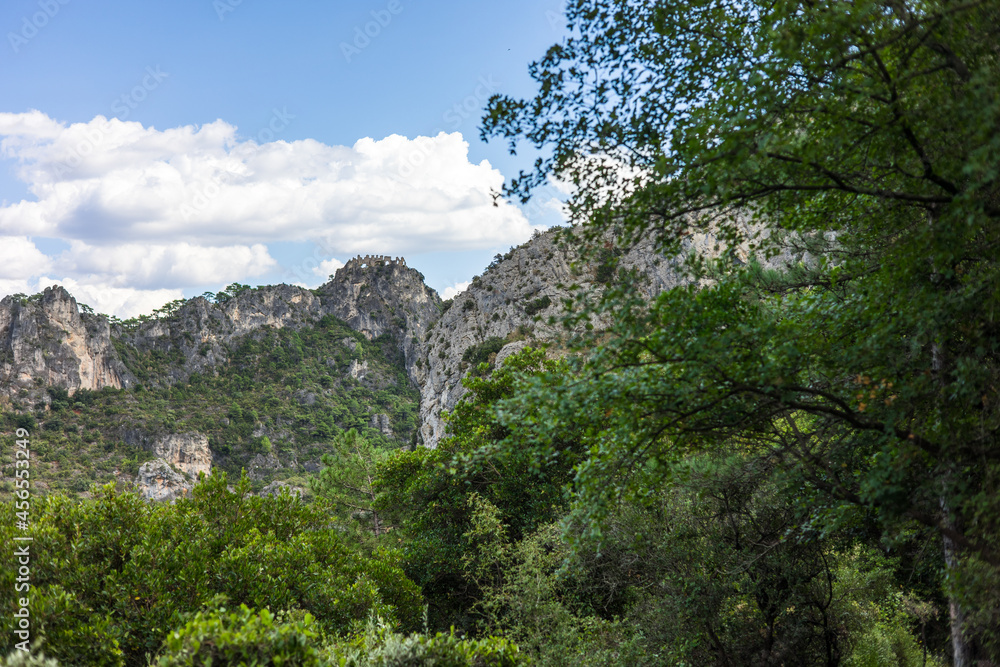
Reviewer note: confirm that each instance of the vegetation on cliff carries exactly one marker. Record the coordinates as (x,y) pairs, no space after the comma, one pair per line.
(281,392)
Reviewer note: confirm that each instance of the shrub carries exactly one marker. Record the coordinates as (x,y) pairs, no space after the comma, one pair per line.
(607,264)
(242,637)
(538,305)
(480,353)
(135,568)
(25,421)
(378,646)
(24,659)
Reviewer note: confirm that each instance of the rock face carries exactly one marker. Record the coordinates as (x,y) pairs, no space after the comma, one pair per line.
(381,422)
(180,457)
(46,341)
(380,295)
(262,465)
(187,452)
(502,303)
(158,481)
(513,299)
(358,369)
(375,296)
(200,332)
(277,488)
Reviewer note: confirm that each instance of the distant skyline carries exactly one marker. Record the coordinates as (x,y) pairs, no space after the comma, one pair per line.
(152,151)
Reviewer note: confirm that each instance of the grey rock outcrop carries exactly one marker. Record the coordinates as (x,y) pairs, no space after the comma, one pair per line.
(262,465)
(376,295)
(513,300)
(200,332)
(158,481)
(358,369)
(508,350)
(380,422)
(276,488)
(46,341)
(531,280)
(373,295)
(187,452)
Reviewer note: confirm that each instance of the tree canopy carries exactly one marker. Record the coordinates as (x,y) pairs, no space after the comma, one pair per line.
(859,140)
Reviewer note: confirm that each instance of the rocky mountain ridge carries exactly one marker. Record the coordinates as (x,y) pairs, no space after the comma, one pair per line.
(48,341)
(508,307)
(372,298)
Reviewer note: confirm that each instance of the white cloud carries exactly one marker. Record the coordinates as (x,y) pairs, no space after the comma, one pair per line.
(148,212)
(20,259)
(15,286)
(102,297)
(327,268)
(110,181)
(166,265)
(121,301)
(455,290)
(601,176)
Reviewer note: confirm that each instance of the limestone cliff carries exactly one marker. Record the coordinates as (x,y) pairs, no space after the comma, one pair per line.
(199,333)
(374,297)
(513,299)
(180,458)
(187,452)
(157,480)
(379,295)
(46,341)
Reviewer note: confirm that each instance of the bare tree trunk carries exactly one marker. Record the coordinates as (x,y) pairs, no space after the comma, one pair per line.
(963,648)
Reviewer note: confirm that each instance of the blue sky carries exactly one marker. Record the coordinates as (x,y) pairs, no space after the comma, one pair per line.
(152,150)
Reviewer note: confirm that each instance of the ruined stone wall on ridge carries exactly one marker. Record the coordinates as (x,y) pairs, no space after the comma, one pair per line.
(360,261)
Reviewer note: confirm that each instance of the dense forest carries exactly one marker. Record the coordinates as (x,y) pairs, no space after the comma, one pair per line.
(767,465)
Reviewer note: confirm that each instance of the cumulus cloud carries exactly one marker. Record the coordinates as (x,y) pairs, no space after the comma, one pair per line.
(20,258)
(17,286)
(177,265)
(157,211)
(106,298)
(455,290)
(102,297)
(327,268)
(110,181)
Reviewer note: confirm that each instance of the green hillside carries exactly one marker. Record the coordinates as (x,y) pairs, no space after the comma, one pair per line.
(283,391)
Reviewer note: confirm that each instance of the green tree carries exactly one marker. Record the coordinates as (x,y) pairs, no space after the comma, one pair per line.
(348,480)
(242,637)
(712,568)
(113,575)
(427,491)
(863,131)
